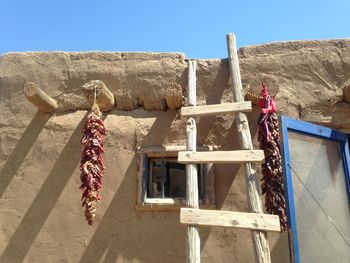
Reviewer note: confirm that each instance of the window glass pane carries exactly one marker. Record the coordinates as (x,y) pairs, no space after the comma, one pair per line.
(321,200)
(167,179)
(177,179)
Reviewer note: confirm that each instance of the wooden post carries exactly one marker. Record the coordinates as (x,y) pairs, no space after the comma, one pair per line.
(104,97)
(39,98)
(193,240)
(260,238)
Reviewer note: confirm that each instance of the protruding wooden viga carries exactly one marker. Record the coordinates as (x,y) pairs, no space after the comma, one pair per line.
(104,97)
(39,98)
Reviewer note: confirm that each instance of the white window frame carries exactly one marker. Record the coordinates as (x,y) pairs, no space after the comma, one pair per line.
(144,203)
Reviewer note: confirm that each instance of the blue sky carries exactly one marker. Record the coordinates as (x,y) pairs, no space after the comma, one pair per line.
(197,28)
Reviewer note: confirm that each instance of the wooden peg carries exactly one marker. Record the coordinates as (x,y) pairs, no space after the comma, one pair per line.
(39,98)
(104,97)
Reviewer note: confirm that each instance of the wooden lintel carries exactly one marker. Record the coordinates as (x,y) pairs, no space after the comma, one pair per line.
(238,156)
(39,98)
(171,148)
(207,110)
(165,201)
(167,208)
(253,221)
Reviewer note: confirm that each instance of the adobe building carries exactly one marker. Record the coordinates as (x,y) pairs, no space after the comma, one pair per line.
(41,218)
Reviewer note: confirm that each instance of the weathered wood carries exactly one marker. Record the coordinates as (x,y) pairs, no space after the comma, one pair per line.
(164,201)
(39,98)
(193,240)
(260,238)
(192,85)
(104,97)
(193,243)
(238,156)
(166,149)
(215,109)
(158,207)
(251,221)
(166,207)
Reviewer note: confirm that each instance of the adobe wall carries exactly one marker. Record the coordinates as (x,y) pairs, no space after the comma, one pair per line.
(41,216)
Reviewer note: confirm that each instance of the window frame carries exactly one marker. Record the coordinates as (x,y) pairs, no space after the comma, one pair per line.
(161,204)
(201,188)
(309,129)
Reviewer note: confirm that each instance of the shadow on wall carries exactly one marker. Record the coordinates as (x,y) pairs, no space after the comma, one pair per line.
(125,234)
(122,232)
(279,246)
(22,148)
(45,200)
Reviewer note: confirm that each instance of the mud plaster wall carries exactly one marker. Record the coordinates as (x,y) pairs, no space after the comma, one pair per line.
(41,219)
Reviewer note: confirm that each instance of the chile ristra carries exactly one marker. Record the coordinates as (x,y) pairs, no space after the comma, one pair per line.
(269,138)
(92,165)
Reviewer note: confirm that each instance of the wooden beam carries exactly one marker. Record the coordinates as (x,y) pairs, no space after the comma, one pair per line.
(165,201)
(167,208)
(260,239)
(251,221)
(193,240)
(39,98)
(170,148)
(239,156)
(104,97)
(215,109)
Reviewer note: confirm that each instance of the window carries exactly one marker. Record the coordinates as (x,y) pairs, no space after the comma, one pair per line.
(162,180)
(167,178)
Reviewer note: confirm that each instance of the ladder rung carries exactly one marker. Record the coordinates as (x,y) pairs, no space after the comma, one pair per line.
(254,221)
(239,156)
(214,109)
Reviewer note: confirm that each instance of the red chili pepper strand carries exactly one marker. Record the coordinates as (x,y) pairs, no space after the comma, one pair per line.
(92,165)
(269,138)
(272,181)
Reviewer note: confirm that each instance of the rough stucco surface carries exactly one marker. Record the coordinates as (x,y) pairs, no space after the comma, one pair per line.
(41,217)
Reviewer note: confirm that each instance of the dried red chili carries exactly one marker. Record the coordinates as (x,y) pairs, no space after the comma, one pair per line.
(269,138)
(92,164)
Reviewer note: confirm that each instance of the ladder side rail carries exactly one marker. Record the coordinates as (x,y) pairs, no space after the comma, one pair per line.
(193,239)
(260,238)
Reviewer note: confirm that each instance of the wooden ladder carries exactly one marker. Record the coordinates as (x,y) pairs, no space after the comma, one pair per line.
(192,215)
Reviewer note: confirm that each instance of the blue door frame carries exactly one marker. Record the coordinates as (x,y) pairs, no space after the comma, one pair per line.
(288,124)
